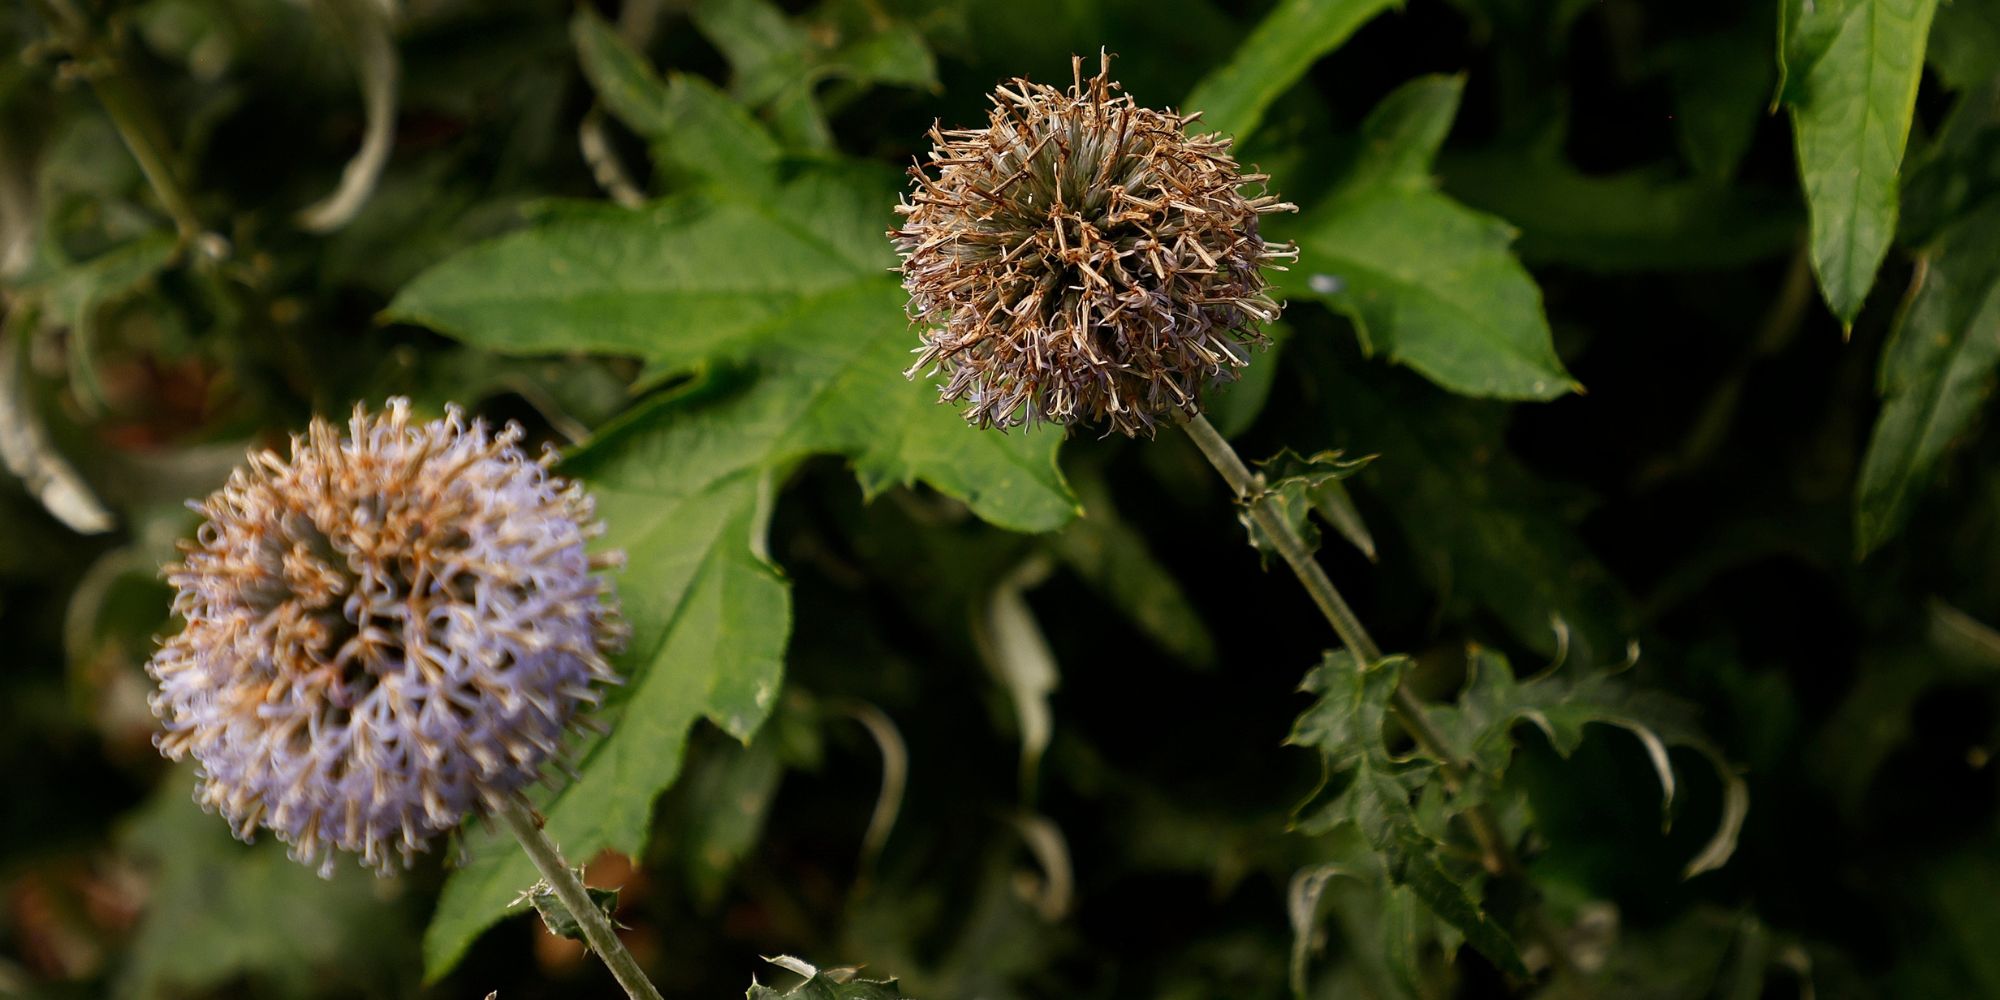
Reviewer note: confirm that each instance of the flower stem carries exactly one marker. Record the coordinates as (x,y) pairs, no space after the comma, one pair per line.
(1405,706)
(520,818)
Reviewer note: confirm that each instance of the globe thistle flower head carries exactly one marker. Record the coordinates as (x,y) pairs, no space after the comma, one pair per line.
(385,632)
(1082,259)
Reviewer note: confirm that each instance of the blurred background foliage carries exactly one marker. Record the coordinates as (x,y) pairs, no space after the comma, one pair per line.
(1664,345)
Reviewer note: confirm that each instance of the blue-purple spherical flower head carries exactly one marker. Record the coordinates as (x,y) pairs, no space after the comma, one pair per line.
(385,632)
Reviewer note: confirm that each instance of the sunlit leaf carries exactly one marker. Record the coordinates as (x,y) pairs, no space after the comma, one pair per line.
(1427,281)
(1851,70)
(1232,98)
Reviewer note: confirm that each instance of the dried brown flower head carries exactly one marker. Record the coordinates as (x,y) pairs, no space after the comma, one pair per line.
(1082,259)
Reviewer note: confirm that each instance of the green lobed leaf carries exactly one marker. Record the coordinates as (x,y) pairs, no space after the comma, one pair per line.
(1345,725)
(1851,69)
(1233,97)
(1479,727)
(652,283)
(1936,373)
(1426,280)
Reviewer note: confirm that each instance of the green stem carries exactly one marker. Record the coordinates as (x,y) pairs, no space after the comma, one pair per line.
(520,818)
(1405,706)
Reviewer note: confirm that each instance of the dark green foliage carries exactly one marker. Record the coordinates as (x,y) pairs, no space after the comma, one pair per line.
(1646,348)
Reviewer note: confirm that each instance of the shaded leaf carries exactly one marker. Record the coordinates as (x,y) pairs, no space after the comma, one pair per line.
(221,912)
(718,807)
(1484,529)
(1965,43)
(1936,374)
(1116,561)
(1638,220)
(1233,406)
(778,62)
(27,452)
(1722,88)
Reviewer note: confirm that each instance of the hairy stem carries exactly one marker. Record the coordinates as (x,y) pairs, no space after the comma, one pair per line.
(1405,706)
(520,818)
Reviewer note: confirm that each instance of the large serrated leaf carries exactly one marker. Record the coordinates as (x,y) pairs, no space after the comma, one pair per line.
(812,348)
(1851,71)
(710,620)
(1425,280)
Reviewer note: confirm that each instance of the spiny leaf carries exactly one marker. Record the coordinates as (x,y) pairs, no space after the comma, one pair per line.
(1301,484)
(1479,728)
(1424,279)
(1850,77)
(1345,725)
(557,917)
(1936,375)
(825,984)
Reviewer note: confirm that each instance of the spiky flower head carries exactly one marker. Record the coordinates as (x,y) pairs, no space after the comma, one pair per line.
(1082,259)
(384,633)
